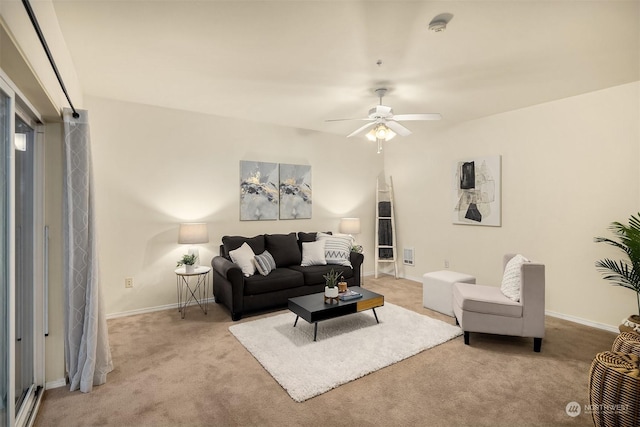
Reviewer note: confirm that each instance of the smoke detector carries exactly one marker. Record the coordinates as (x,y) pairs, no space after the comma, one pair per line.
(439,23)
(437,26)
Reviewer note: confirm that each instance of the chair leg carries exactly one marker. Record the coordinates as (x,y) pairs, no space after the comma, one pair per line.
(466,337)
(537,344)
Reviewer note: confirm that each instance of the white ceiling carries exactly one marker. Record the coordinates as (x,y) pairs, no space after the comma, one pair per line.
(298,63)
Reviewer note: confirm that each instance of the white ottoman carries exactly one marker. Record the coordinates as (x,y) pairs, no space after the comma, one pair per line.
(437,291)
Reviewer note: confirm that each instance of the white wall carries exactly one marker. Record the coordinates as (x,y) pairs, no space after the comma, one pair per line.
(569,168)
(155,168)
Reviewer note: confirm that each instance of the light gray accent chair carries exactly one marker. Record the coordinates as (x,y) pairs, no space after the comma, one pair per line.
(486,309)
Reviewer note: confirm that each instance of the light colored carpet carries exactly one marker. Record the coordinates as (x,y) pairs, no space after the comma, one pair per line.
(347,348)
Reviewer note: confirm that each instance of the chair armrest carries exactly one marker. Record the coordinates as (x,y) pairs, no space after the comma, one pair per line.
(532,298)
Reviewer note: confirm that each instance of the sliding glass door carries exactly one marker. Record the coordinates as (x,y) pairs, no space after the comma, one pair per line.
(6,132)
(25,257)
(21,260)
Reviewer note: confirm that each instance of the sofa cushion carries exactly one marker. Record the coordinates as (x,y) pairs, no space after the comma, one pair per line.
(230,243)
(313,275)
(264,263)
(243,257)
(337,248)
(284,249)
(307,237)
(279,279)
(512,277)
(484,299)
(313,253)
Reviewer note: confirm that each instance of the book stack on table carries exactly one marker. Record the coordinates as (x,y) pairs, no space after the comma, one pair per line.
(349,295)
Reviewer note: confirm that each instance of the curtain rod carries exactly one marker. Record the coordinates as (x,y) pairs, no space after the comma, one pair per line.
(36,26)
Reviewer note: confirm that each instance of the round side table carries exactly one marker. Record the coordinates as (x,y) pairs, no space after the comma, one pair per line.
(193,288)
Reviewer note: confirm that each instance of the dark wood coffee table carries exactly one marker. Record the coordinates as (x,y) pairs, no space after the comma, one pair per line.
(313,309)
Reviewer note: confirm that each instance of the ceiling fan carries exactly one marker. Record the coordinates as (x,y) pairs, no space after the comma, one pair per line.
(384,124)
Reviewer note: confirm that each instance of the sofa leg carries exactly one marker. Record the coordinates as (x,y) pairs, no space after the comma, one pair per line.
(537,344)
(466,337)
(236,316)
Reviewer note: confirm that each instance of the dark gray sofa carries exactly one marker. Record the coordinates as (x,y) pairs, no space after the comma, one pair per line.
(289,279)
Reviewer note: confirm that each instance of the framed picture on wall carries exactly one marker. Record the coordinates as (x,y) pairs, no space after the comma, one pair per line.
(477,195)
(295,191)
(258,191)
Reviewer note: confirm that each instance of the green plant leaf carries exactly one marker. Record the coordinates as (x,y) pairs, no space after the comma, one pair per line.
(626,272)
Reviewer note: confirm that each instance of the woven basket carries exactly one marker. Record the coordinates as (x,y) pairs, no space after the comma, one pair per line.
(627,342)
(614,387)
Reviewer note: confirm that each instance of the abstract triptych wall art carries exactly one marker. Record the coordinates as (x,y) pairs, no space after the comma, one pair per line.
(269,191)
(477,191)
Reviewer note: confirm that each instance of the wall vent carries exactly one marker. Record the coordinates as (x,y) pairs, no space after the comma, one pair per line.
(407,257)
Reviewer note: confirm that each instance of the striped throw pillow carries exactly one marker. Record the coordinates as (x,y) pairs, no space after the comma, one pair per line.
(337,248)
(264,263)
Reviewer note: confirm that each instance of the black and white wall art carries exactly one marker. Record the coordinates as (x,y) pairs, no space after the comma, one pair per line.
(258,191)
(477,191)
(295,191)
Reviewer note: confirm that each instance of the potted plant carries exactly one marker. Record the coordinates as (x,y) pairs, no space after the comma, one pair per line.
(331,283)
(188,260)
(625,272)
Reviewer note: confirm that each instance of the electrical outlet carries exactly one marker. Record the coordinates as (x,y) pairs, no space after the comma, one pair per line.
(128,282)
(446,263)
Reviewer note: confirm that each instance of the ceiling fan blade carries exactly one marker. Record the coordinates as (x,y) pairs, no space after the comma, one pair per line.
(426,116)
(360,129)
(398,128)
(344,120)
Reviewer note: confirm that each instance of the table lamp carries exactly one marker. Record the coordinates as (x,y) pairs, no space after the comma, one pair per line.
(351,226)
(193,234)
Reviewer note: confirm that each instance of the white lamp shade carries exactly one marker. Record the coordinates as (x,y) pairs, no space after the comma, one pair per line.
(350,225)
(193,233)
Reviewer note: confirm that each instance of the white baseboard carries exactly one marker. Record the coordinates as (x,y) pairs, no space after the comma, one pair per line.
(574,319)
(568,317)
(582,321)
(153,309)
(61,382)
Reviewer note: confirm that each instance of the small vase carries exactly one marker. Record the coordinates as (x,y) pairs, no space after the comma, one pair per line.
(330,292)
(189,269)
(630,324)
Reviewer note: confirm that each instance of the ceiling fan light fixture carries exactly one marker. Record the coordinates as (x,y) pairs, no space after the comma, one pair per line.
(380,132)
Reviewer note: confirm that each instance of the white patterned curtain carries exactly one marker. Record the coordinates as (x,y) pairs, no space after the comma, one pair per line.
(87,353)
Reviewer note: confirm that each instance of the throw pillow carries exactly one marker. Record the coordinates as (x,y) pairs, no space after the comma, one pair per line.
(337,249)
(243,257)
(230,243)
(264,263)
(284,249)
(512,278)
(313,253)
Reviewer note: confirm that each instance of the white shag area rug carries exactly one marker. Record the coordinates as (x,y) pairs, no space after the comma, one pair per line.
(347,348)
